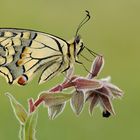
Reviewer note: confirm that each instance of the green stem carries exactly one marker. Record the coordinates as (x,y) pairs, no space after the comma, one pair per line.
(21,132)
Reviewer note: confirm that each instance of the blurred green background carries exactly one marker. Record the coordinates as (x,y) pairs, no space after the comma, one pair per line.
(114,31)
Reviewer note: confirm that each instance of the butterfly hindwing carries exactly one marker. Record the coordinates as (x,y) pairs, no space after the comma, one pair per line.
(25,52)
(53,69)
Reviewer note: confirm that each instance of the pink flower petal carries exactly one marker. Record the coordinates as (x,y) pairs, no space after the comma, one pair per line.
(86,84)
(94,102)
(106,104)
(116,91)
(89,95)
(105,91)
(96,67)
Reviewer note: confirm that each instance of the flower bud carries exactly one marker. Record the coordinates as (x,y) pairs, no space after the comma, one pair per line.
(97,66)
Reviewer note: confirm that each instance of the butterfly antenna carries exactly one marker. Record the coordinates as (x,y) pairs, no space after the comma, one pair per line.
(86,19)
(92,52)
(84,67)
(86,58)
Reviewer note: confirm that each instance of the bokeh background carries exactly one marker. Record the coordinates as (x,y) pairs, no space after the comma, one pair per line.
(114,31)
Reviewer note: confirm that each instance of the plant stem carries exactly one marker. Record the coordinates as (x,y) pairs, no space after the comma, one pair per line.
(33,105)
(21,132)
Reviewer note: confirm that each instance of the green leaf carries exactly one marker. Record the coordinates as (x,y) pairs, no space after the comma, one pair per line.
(55,98)
(55,110)
(18,109)
(30,126)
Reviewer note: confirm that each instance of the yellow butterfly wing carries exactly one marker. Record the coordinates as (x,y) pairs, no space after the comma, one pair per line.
(24,52)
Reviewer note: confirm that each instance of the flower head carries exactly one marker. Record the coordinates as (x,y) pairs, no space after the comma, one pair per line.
(104,97)
(100,91)
(105,94)
(87,89)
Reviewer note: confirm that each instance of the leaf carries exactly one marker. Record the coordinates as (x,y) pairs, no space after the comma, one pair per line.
(77,102)
(51,98)
(18,109)
(55,110)
(30,126)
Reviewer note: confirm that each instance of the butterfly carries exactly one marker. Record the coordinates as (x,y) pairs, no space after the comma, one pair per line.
(25,52)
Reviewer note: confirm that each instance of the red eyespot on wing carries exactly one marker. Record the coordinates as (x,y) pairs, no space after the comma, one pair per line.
(22,80)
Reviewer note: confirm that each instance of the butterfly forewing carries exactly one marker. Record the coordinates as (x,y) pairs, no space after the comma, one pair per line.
(26,51)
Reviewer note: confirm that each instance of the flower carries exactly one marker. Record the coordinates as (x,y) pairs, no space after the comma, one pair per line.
(105,94)
(87,89)
(96,91)
(104,97)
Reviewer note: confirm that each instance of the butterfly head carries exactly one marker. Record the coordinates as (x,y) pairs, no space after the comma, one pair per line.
(76,45)
(79,45)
